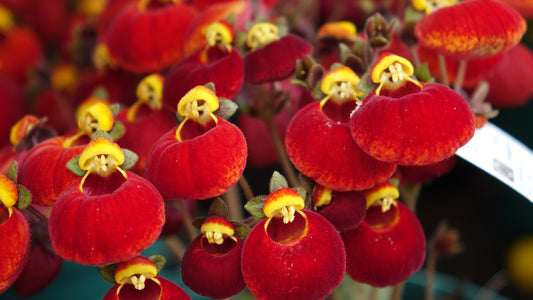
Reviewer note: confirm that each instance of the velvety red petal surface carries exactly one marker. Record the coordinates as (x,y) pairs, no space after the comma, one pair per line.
(144,132)
(473,28)
(169,291)
(20,53)
(346,210)
(15,237)
(139,42)
(226,73)
(402,249)
(275,61)
(13,106)
(511,81)
(307,268)
(102,226)
(221,271)
(324,150)
(199,168)
(422,174)
(44,170)
(417,129)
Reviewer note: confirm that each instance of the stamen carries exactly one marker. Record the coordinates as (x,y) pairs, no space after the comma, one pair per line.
(262,34)
(214,237)
(288,213)
(138,282)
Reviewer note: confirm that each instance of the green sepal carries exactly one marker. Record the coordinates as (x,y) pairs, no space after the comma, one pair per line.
(108,273)
(130,159)
(301,190)
(12,172)
(210,85)
(117,130)
(300,82)
(158,260)
(241,230)
(74,166)
(395,181)
(277,181)
(24,199)
(226,108)
(100,93)
(231,19)
(422,73)
(219,208)
(115,108)
(102,134)
(255,207)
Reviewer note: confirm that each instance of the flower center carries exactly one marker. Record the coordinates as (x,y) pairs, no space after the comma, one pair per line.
(340,86)
(283,203)
(383,195)
(217,229)
(135,272)
(197,105)
(8,196)
(221,34)
(429,6)
(262,34)
(102,157)
(392,72)
(149,92)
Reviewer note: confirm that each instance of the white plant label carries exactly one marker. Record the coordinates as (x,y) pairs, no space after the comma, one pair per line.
(502,156)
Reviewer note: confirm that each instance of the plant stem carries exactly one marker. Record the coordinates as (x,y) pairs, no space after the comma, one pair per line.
(431,266)
(409,195)
(246,189)
(443,71)
(460,76)
(187,220)
(37,214)
(176,247)
(280,149)
(397,291)
(232,199)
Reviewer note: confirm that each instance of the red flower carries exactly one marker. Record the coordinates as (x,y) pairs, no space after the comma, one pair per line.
(15,234)
(344,210)
(201,158)
(293,253)
(214,257)
(406,122)
(108,215)
(320,145)
(389,245)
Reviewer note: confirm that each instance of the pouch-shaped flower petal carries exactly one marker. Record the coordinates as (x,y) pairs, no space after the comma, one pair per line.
(212,262)
(388,246)
(202,157)
(472,28)
(272,58)
(344,210)
(407,122)
(148,36)
(107,216)
(293,253)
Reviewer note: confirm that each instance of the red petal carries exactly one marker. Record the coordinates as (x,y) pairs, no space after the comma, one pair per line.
(386,255)
(275,61)
(324,150)
(14,253)
(417,129)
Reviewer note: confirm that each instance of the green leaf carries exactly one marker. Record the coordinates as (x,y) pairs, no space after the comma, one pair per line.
(74,166)
(226,108)
(24,197)
(130,159)
(158,260)
(108,273)
(102,134)
(277,181)
(255,206)
(301,190)
(12,172)
(210,85)
(395,181)
(241,230)
(117,130)
(219,208)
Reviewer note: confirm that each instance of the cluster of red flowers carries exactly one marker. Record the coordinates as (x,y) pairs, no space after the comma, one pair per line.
(116,111)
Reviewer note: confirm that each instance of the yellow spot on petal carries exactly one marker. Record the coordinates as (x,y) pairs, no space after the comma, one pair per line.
(392,71)
(220,33)
(97,116)
(149,92)
(216,229)
(6,19)
(340,85)
(197,105)
(429,6)
(8,193)
(384,195)
(22,127)
(283,203)
(135,271)
(103,157)
(339,30)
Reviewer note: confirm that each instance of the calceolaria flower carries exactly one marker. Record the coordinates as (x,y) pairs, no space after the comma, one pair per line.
(212,262)
(202,157)
(108,215)
(293,253)
(137,279)
(320,145)
(393,229)
(407,122)
(14,233)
